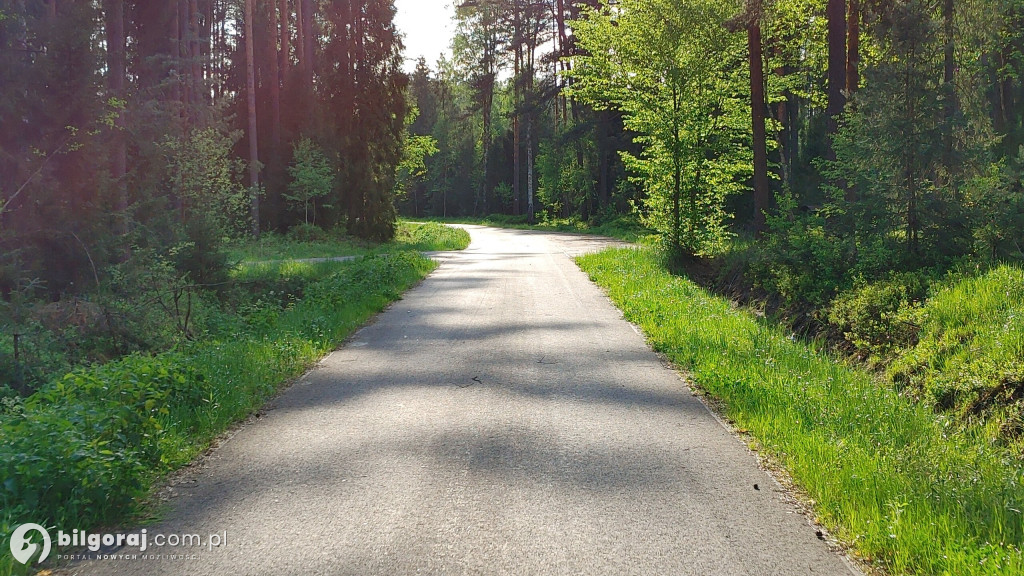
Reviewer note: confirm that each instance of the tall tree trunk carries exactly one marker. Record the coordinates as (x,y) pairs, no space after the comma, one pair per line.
(529,168)
(195,53)
(604,133)
(175,29)
(300,33)
(307,46)
(563,53)
(275,82)
(853,48)
(183,64)
(480,204)
(206,8)
(530,111)
(254,157)
(762,195)
(116,72)
(835,12)
(285,59)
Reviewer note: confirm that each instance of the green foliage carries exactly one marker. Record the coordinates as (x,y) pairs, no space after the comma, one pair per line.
(879,318)
(884,473)
(997,197)
(79,451)
(913,146)
(564,184)
(308,234)
(431,237)
(417,148)
(799,259)
(671,68)
(362,113)
(312,178)
(206,176)
(302,242)
(970,358)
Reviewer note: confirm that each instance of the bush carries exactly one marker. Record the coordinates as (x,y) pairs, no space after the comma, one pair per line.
(86,444)
(308,233)
(200,255)
(431,236)
(800,261)
(879,319)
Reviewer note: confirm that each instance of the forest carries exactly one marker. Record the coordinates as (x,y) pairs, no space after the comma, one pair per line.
(852,171)
(831,163)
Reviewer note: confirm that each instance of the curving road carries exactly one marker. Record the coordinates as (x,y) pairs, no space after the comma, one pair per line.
(501,419)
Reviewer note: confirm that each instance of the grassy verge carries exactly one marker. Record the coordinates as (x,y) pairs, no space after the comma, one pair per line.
(886,474)
(624,228)
(78,453)
(419,236)
(968,359)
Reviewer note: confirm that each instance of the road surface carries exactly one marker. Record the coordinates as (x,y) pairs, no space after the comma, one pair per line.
(501,419)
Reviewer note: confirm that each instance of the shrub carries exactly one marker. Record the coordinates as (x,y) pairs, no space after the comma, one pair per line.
(799,260)
(86,444)
(308,233)
(878,319)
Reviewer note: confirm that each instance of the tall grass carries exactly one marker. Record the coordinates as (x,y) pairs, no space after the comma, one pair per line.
(884,473)
(420,236)
(78,452)
(970,355)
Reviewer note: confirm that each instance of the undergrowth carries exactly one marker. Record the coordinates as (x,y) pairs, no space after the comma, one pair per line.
(311,242)
(83,449)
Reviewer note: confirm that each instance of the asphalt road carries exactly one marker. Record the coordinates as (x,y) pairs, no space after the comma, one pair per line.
(501,419)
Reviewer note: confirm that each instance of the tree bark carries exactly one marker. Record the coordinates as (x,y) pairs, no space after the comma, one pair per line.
(195,53)
(762,195)
(517,185)
(283,65)
(274,81)
(254,158)
(300,34)
(835,13)
(853,48)
(176,46)
(307,45)
(116,72)
(531,56)
(206,48)
(529,168)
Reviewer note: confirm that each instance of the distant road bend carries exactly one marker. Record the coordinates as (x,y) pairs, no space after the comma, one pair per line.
(502,418)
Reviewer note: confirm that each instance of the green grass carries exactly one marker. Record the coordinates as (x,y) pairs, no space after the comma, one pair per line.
(82,451)
(624,228)
(885,474)
(970,355)
(423,237)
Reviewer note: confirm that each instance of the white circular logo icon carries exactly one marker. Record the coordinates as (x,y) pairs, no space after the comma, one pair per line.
(22,549)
